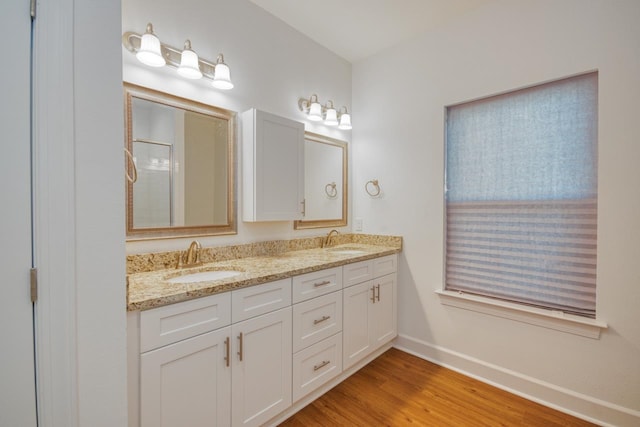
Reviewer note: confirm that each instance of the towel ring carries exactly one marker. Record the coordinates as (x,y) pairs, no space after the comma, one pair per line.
(130,178)
(331,190)
(376,186)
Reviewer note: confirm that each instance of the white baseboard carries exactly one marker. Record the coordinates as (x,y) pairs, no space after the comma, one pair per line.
(579,405)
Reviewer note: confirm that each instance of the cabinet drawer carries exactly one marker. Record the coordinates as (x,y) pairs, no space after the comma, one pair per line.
(316,319)
(357,272)
(316,365)
(318,283)
(385,265)
(172,323)
(260,299)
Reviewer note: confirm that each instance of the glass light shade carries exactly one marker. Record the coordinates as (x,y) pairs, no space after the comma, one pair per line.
(150,53)
(189,67)
(345,121)
(222,77)
(331,118)
(315,112)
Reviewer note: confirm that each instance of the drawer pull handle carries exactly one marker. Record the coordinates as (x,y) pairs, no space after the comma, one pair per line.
(373,294)
(227,350)
(240,346)
(324,282)
(315,322)
(378,293)
(322,365)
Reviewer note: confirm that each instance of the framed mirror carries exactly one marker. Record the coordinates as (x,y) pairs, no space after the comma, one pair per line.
(179,166)
(325,185)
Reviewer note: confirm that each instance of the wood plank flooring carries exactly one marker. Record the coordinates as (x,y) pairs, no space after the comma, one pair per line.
(398,389)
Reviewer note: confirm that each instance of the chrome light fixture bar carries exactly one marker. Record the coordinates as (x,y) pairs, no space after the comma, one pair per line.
(317,112)
(150,51)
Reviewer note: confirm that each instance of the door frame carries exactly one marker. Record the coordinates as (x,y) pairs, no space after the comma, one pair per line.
(54,210)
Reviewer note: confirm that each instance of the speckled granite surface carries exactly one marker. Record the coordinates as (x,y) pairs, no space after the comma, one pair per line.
(275,260)
(165,260)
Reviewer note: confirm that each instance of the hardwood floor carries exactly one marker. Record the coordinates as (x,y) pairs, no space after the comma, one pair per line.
(398,389)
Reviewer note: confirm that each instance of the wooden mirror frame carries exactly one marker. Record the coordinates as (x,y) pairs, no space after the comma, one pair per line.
(134,91)
(338,222)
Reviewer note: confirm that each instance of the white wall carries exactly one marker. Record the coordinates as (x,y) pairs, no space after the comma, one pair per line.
(99,216)
(399,140)
(272,66)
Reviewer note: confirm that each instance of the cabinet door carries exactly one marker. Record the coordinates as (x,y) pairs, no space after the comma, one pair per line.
(261,368)
(273,167)
(356,324)
(384,324)
(187,383)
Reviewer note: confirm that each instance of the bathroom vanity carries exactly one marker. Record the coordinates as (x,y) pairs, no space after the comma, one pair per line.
(253,348)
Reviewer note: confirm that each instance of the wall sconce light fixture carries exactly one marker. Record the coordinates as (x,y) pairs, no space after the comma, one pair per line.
(317,112)
(331,115)
(345,119)
(150,51)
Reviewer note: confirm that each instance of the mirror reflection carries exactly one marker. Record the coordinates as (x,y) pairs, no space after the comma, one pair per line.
(182,153)
(325,182)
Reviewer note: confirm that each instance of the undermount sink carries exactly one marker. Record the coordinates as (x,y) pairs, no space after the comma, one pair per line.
(346,250)
(204,276)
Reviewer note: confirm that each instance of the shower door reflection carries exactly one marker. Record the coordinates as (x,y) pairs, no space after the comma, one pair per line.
(153,192)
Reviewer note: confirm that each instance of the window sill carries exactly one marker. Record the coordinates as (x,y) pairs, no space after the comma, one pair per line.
(551,319)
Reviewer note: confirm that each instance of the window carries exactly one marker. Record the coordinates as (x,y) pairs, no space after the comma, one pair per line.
(521,196)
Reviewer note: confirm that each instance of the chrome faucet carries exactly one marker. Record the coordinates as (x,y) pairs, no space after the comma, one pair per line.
(191,257)
(327,240)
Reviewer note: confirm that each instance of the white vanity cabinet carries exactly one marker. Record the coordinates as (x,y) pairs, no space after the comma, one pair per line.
(370,313)
(272,167)
(251,355)
(261,386)
(184,365)
(261,352)
(187,383)
(199,365)
(317,330)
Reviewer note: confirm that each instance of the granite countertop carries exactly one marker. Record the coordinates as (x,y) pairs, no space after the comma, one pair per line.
(151,289)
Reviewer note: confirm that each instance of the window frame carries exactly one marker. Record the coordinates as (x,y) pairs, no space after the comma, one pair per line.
(536,315)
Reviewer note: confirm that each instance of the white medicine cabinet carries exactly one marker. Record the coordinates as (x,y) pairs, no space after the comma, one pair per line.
(272,167)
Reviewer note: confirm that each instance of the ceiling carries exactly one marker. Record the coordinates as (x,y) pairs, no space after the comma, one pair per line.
(355,29)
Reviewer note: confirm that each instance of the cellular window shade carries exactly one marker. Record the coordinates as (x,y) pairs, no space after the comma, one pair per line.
(521,196)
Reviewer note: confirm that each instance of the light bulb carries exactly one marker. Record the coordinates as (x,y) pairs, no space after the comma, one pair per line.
(331,117)
(150,52)
(222,75)
(315,112)
(189,67)
(345,121)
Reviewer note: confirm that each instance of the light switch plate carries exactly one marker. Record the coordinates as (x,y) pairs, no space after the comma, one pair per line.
(358,224)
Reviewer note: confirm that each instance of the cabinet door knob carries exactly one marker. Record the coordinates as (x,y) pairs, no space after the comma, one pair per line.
(373,294)
(324,282)
(378,293)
